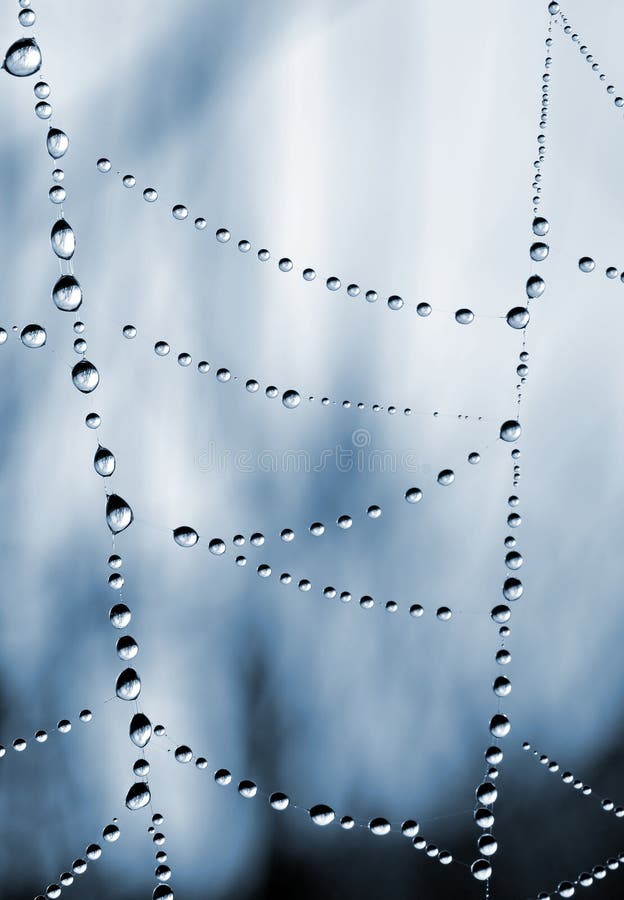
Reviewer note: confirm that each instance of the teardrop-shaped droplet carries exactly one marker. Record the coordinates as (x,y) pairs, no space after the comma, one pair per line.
(140,730)
(67,294)
(510,431)
(23,58)
(57,143)
(128,685)
(85,376)
(185,536)
(63,239)
(322,814)
(499,725)
(33,336)
(518,317)
(119,515)
(535,286)
(138,796)
(104,462)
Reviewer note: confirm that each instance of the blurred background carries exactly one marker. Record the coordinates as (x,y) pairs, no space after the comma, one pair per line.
(389,144)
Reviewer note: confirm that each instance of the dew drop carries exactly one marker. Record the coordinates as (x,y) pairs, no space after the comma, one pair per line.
(57,143)
(540,226)
(535,286)
(138,796)
(291,399)
(279,801)
(379,826)
(539,251)
(518,317)
(499,726)
(128,685)
(140,730)
(322,814)
(119,515)
(104,165)
(23,58)
(185,536)
(446,476)
(510,431)
(464,316)
(85,376)
(413,495)
(62,239)
(120,615)
(67,294)
(179,211)
(586,264)
(33,336)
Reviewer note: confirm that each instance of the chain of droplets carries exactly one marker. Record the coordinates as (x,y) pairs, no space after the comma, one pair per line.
(24,59)
(320,813)
(179,211)
(552,766)
(291,398)
(555,10)
(64,726)
(587,264)
(93,852)
(585,879)
(517,317)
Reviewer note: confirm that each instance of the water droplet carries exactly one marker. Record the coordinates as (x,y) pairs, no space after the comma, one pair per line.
(127,648)
(41,90)
(263,255)
(183,754)
(395,302)
(510,431)
(140,730)
(481,869)
(539,251)
(179,211)
(244,246)
(128,685)
(333,283)
(150,195)
(518,317)
(85,376)
(62,239)
(499,725)
(161,348)
(464,316)
(118,513)
(104,462)
(540,226)
(446,476)
(57,143)
(291,399)
(185,536)
(217,546)
(309,274)
(23,58)
(111,833)
(247,789)
(501,687)
(223,777)
(474,458)
(279,801)
(120,615)
(57,194)
(162,892)
(103,164)
(223,235)
(423,309)
(26,18)
(285,264)
(33,336)
(322,814)
(353,290)
(535,286)
(379,826)
(43,109)
(586,264)
(223,375)
(138,796)
(67,294)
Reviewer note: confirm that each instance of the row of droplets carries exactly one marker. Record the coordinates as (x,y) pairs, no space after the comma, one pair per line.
(93,852)
(63,726)
(24,59)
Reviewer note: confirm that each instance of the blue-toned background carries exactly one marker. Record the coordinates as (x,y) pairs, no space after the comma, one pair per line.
(390,144)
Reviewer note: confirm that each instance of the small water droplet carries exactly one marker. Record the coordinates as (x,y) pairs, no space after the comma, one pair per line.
(150,195)
(586,264)
(104,462)
(322,815)
(285,264)
(33,336)
(464,316)
(446,476)
(185,536)
(103,164)
(223,235)
(140,731)
(395,302)
(540,226)
(118,513)
(85,376)
(423,309)
(62,239)
(179,211)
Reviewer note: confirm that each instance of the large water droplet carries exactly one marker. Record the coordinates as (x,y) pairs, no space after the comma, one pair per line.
(586,264)
(118,514)
(291,399)
(67,294)
(85,376)
(128,686)
(379,826)
(63,239)
(33,336)
(518,317)
(464,316)
(104,462)
(500,725)
(540,226)
(322,814)
(510,431)
(138,796)
(539,251)
(57,143)
(279,801)
(481,869)
(140,730)
(23,58)
(535,286)
(185,536)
